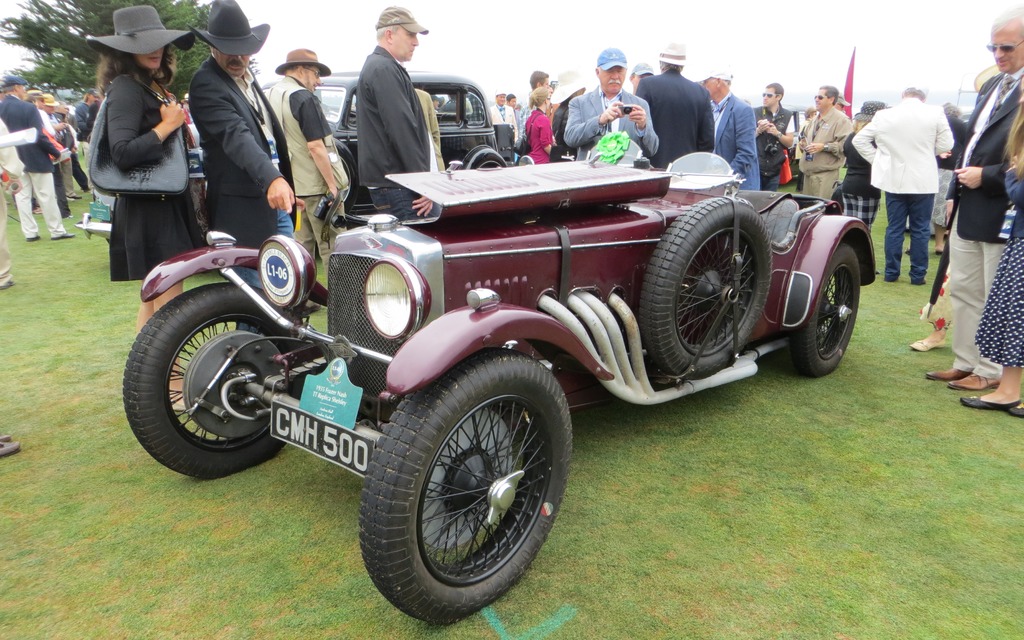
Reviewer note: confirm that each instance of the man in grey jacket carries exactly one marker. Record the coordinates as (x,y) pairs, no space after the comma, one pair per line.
(609,108)
(393,137)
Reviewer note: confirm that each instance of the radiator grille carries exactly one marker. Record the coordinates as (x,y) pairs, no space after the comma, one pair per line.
(346,316)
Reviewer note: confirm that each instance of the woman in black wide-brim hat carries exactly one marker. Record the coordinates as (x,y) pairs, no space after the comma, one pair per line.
(136,65)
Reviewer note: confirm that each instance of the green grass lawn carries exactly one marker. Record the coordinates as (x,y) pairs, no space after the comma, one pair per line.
(867,504)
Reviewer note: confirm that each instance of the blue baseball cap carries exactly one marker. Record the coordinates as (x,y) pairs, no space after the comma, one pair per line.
(610,58)
(10,81)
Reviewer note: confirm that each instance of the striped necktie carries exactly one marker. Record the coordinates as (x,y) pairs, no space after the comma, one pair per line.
(1004,89)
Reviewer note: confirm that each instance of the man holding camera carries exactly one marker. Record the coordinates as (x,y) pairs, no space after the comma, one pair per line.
(317,171)
(775,132)
(609,108)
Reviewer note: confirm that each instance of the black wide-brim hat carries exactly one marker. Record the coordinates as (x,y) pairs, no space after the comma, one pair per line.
(229,30)
(139,30)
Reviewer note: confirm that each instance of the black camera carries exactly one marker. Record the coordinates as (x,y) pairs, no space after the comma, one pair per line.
(626,109)
(322,207)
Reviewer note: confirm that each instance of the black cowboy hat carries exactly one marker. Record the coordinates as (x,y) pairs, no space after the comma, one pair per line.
(139,30)
(229,30)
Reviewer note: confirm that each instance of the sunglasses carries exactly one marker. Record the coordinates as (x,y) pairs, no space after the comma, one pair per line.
(768,95)
(1003,48)
(820,97)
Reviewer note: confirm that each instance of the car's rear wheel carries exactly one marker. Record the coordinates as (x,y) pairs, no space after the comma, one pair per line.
(483,157)
(697,273)
(818,348)
(154,380)
(464,486)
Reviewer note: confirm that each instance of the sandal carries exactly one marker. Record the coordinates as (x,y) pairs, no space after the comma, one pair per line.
(927,344)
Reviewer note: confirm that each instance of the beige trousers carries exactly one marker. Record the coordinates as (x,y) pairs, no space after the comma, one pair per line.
(972,267)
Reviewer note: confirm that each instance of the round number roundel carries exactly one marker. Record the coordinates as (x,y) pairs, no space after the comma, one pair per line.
(277,274)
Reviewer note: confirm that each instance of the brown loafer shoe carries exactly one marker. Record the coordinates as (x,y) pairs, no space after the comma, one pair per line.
(948,375)
(974,383)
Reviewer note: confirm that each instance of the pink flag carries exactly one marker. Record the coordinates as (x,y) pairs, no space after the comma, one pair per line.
(848,90)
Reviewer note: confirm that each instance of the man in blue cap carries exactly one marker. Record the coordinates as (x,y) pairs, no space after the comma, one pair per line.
(610,108)
(38,159)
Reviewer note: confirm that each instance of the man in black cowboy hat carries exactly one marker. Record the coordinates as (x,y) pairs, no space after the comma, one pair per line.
(316,166)
(249,193)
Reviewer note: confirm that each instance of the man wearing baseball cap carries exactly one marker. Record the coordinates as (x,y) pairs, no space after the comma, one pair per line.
(609,108)
(393,136)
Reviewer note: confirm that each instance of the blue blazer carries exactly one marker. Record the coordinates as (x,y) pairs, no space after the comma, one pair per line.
(18,116)
(583,131)
(736,141)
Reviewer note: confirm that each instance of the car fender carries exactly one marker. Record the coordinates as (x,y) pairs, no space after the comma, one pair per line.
(460,333)
(171,272)
(813,254)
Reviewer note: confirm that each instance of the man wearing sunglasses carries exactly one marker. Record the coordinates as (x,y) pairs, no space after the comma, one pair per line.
(775,129)
(823,146)
(317,170)
(977,203)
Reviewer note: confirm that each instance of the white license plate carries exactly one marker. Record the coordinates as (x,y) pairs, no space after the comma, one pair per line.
(334,443)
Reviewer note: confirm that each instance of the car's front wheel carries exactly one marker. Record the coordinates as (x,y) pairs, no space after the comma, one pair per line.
(464,486)
(155,381)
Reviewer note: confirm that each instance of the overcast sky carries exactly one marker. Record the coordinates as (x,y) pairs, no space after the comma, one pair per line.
(800,45)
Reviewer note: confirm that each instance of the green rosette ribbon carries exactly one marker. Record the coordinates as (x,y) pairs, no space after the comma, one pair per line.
(613,146)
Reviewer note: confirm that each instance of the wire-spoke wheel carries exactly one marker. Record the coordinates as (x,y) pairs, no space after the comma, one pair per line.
(818,348)
(702,287)
(154,380)
(465,485)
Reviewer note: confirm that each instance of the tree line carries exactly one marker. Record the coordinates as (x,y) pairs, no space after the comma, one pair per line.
(53,32)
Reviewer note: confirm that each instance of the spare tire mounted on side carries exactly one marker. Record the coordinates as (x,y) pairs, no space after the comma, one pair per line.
(705,287)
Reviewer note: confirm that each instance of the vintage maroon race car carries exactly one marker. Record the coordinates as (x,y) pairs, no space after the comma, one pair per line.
(456,348)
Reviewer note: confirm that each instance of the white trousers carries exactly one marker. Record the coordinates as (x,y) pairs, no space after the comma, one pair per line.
(5,252)
(40,185)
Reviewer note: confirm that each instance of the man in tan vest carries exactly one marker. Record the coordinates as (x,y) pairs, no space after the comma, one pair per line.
(316,168)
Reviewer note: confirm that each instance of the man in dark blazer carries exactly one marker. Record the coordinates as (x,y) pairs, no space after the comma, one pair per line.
(978,202)
(248,194)
(604,110)
(681,108)
(38,158)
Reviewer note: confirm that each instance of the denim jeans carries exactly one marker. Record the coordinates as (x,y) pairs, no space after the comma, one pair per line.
(397,201)
(770,184)
(899,207)
(284,224)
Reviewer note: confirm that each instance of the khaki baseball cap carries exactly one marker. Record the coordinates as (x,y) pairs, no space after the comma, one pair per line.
(400,16)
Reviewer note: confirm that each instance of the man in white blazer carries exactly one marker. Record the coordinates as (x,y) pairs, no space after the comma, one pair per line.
(609,108)
(502,113)
(901,144)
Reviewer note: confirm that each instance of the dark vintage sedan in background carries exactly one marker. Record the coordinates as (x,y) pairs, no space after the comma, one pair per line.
(467,134)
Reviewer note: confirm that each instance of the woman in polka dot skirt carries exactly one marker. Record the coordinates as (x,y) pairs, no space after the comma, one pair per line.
(1000,334)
